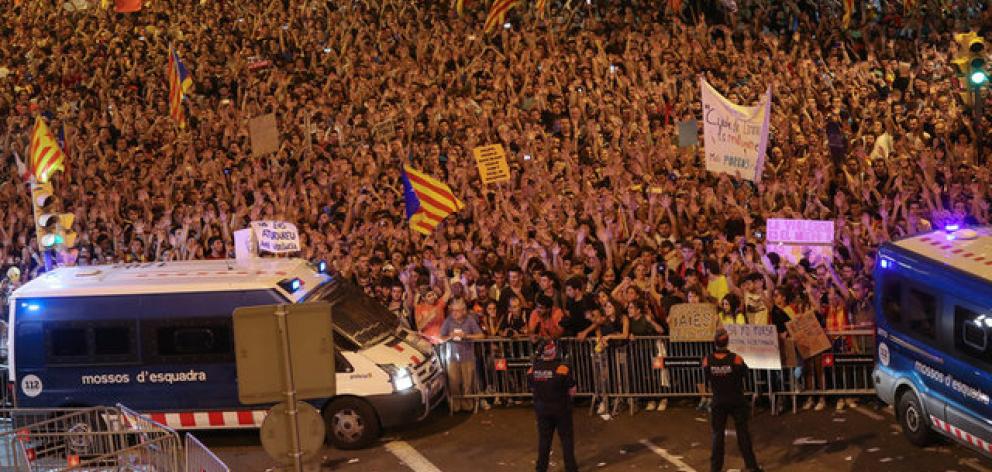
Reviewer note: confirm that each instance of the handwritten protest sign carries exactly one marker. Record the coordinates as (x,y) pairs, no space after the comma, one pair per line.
(688,133)
(693,322)
(794,239)
(757,344)
(491,161)
(277,237)
(264,134)
(734,137)
(809,336)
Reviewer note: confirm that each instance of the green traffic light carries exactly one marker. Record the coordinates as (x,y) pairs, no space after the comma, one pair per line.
(979,78)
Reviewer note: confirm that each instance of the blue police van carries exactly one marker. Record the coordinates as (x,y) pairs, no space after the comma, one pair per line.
(933,303)
(158,338)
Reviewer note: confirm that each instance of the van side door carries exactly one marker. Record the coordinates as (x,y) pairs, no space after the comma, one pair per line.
(912,312)
(969,330)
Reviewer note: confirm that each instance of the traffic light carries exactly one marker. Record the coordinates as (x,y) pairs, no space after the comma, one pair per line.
(971,59)
(53,229)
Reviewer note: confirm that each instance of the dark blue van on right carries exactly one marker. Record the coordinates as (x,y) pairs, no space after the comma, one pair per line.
(933,304)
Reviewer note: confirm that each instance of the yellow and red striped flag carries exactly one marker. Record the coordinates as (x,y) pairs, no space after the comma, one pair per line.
(45,155)
(848,11)
(179,82)
(497,14)
(459,5)
(428,200)
(908,6)
(542,6)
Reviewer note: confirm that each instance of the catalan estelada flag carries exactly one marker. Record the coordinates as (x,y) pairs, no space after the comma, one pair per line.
(179,82)
(497,13)
(46,157)
(428,200)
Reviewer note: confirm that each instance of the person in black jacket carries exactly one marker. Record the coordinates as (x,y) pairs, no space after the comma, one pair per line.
(553,385)
(577,304)
(725,373)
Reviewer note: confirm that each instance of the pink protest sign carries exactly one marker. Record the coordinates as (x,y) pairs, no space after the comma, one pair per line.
(800,231)
(795,239)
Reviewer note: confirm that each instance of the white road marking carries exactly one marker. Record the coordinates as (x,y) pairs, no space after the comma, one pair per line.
(868,413)
(674,460)
(409,456)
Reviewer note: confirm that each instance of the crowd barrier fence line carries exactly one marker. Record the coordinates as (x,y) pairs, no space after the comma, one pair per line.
(656,368)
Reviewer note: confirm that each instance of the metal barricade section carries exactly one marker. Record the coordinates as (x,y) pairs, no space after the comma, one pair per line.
(97,438)
(201,459)
(102,438)
(654,368)
(28,437)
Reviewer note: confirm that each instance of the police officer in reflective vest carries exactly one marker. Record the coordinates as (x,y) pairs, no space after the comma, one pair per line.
(553,386)
(725,373)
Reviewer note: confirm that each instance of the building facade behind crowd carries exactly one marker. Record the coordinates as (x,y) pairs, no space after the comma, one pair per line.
(606,222)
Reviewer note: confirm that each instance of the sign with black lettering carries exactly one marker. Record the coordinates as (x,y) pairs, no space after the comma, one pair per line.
(757,344)
(276,237)
(808,334)
(734,136)
(491,161)
(693,322)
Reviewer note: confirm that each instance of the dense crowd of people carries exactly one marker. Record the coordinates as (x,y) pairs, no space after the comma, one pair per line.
(606,222)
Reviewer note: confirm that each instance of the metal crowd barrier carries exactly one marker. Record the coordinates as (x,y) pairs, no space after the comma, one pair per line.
(101,438)
(24,432)
(201,459)
(654,368)
(97,438)
(845,370)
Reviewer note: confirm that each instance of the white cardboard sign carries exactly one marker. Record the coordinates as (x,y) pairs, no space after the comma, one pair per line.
(277,237)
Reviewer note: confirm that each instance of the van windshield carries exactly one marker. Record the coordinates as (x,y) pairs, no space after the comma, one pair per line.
(356,316)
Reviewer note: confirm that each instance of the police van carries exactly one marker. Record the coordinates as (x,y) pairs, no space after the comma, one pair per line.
(933,304)
(157,337)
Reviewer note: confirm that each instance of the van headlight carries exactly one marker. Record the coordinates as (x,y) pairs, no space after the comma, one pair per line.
(399,376)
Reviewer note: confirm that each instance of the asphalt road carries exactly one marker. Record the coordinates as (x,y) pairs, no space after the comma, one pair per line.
(863,439)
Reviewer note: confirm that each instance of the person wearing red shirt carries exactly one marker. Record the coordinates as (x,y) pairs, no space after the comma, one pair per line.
(546,318)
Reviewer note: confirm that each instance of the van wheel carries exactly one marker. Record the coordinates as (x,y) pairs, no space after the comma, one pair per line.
(351,423)
(914,422)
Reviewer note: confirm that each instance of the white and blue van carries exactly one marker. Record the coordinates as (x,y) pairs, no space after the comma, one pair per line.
(933,304)
(157,337)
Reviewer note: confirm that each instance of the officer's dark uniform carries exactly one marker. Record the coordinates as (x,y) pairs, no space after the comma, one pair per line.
(550,381)
(725,372)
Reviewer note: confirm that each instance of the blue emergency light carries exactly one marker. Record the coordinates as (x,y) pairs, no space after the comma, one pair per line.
(291,285)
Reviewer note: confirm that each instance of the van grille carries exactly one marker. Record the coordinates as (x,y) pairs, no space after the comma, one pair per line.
(428,369)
